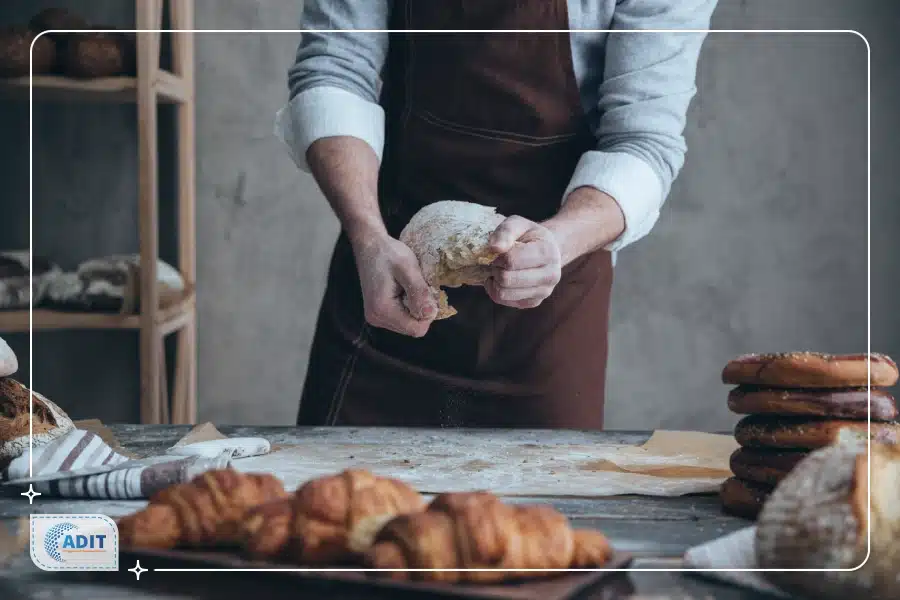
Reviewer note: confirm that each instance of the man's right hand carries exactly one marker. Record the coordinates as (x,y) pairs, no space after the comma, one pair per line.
(388,273)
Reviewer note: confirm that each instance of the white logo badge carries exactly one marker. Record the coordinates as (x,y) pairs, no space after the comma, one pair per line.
(74,543)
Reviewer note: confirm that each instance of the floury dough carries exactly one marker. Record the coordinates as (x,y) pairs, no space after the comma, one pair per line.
(8,362)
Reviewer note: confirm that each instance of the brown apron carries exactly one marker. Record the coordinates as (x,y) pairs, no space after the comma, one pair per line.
(489,118)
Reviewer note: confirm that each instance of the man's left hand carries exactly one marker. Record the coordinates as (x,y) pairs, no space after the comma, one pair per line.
(529,265)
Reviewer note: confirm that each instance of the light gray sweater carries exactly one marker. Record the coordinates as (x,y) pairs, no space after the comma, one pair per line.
(635,88)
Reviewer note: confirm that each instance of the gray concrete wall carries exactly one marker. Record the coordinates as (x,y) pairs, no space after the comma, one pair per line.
(762,245)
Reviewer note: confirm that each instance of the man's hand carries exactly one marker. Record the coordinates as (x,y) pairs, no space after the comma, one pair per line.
(529,265)
(388,271)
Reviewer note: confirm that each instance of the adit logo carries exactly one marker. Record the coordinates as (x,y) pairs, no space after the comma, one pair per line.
(74,543)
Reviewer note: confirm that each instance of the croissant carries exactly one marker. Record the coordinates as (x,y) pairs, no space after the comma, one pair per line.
(475,530)
(328,520)
(203,512)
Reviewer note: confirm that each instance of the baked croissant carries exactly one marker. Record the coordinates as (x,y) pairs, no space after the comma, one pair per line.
(475,530)
(202,513)
(329,520)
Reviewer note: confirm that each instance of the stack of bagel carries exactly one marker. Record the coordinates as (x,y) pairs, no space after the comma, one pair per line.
(796,402)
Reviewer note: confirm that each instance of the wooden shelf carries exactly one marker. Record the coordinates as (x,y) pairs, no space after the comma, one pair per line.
(169,319)
(170,89)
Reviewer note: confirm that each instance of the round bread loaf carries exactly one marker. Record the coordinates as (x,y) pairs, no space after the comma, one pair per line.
(819,518)
(100,54)
(743,498)
(15,48)
(450,240)
(764,466)
(800,433)
(50,421)
(811,370)
(850,403)
(9,364)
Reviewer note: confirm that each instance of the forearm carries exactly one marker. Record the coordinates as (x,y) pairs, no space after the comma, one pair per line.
(588,221)
(346,169)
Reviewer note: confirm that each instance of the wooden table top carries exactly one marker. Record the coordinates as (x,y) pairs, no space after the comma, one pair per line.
(655,530)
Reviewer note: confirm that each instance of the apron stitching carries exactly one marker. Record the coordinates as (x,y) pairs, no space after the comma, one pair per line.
(506,138)
(427,115)
(337,399)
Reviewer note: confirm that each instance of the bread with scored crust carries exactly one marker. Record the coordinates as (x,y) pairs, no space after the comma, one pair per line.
(450,240)
(811,370)
(818,518)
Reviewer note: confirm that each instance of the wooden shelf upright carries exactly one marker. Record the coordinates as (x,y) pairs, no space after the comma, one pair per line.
(148,89)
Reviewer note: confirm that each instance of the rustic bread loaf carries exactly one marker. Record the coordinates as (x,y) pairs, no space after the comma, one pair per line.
(742,498)
(450,239)
(9,364)
(759,431)
(764,466)
(111,284)
(16,287)
(15,47)
(849,403)
(50,421)
(811,370)
(98,54)
(818,518)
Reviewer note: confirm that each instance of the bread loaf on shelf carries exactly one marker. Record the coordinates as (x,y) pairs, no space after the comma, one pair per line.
(328,520)
(476,530)
(18,286)
(818,518)
(450,240)
(111,285)
(205,512)
(15,49)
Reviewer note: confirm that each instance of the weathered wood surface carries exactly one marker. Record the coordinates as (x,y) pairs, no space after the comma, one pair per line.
(651,528)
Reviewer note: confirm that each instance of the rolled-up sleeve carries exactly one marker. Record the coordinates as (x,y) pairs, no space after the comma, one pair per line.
(335,80)
(648,83)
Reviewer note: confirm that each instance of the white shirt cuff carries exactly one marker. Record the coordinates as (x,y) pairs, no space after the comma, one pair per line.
(326,111)
(633,184)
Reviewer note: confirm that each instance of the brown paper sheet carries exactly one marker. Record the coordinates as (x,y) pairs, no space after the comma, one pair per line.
(96,426)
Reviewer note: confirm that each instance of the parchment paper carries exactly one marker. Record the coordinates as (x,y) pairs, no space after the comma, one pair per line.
(670,463)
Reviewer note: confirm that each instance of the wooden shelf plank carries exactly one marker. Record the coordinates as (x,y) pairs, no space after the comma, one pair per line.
(170,319)
(54,88)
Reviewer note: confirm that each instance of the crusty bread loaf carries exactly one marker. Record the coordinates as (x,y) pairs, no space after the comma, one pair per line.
(450,239)
(811,370)
(50,421)
(848,403)
(818,518)
(760,431)
(764,466)
(101,54)
(15,47)
(742,498)
(475,530)
(24,279)
(9,364)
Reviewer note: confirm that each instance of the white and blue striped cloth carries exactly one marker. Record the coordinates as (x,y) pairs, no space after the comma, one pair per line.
(80,464)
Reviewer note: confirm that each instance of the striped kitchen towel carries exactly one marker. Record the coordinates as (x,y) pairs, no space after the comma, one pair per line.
(80,464)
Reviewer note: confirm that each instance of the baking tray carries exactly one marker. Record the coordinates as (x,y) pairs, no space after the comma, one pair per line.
(562,587)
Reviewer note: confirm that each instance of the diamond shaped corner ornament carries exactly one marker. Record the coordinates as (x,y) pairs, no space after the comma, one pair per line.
(74,543)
